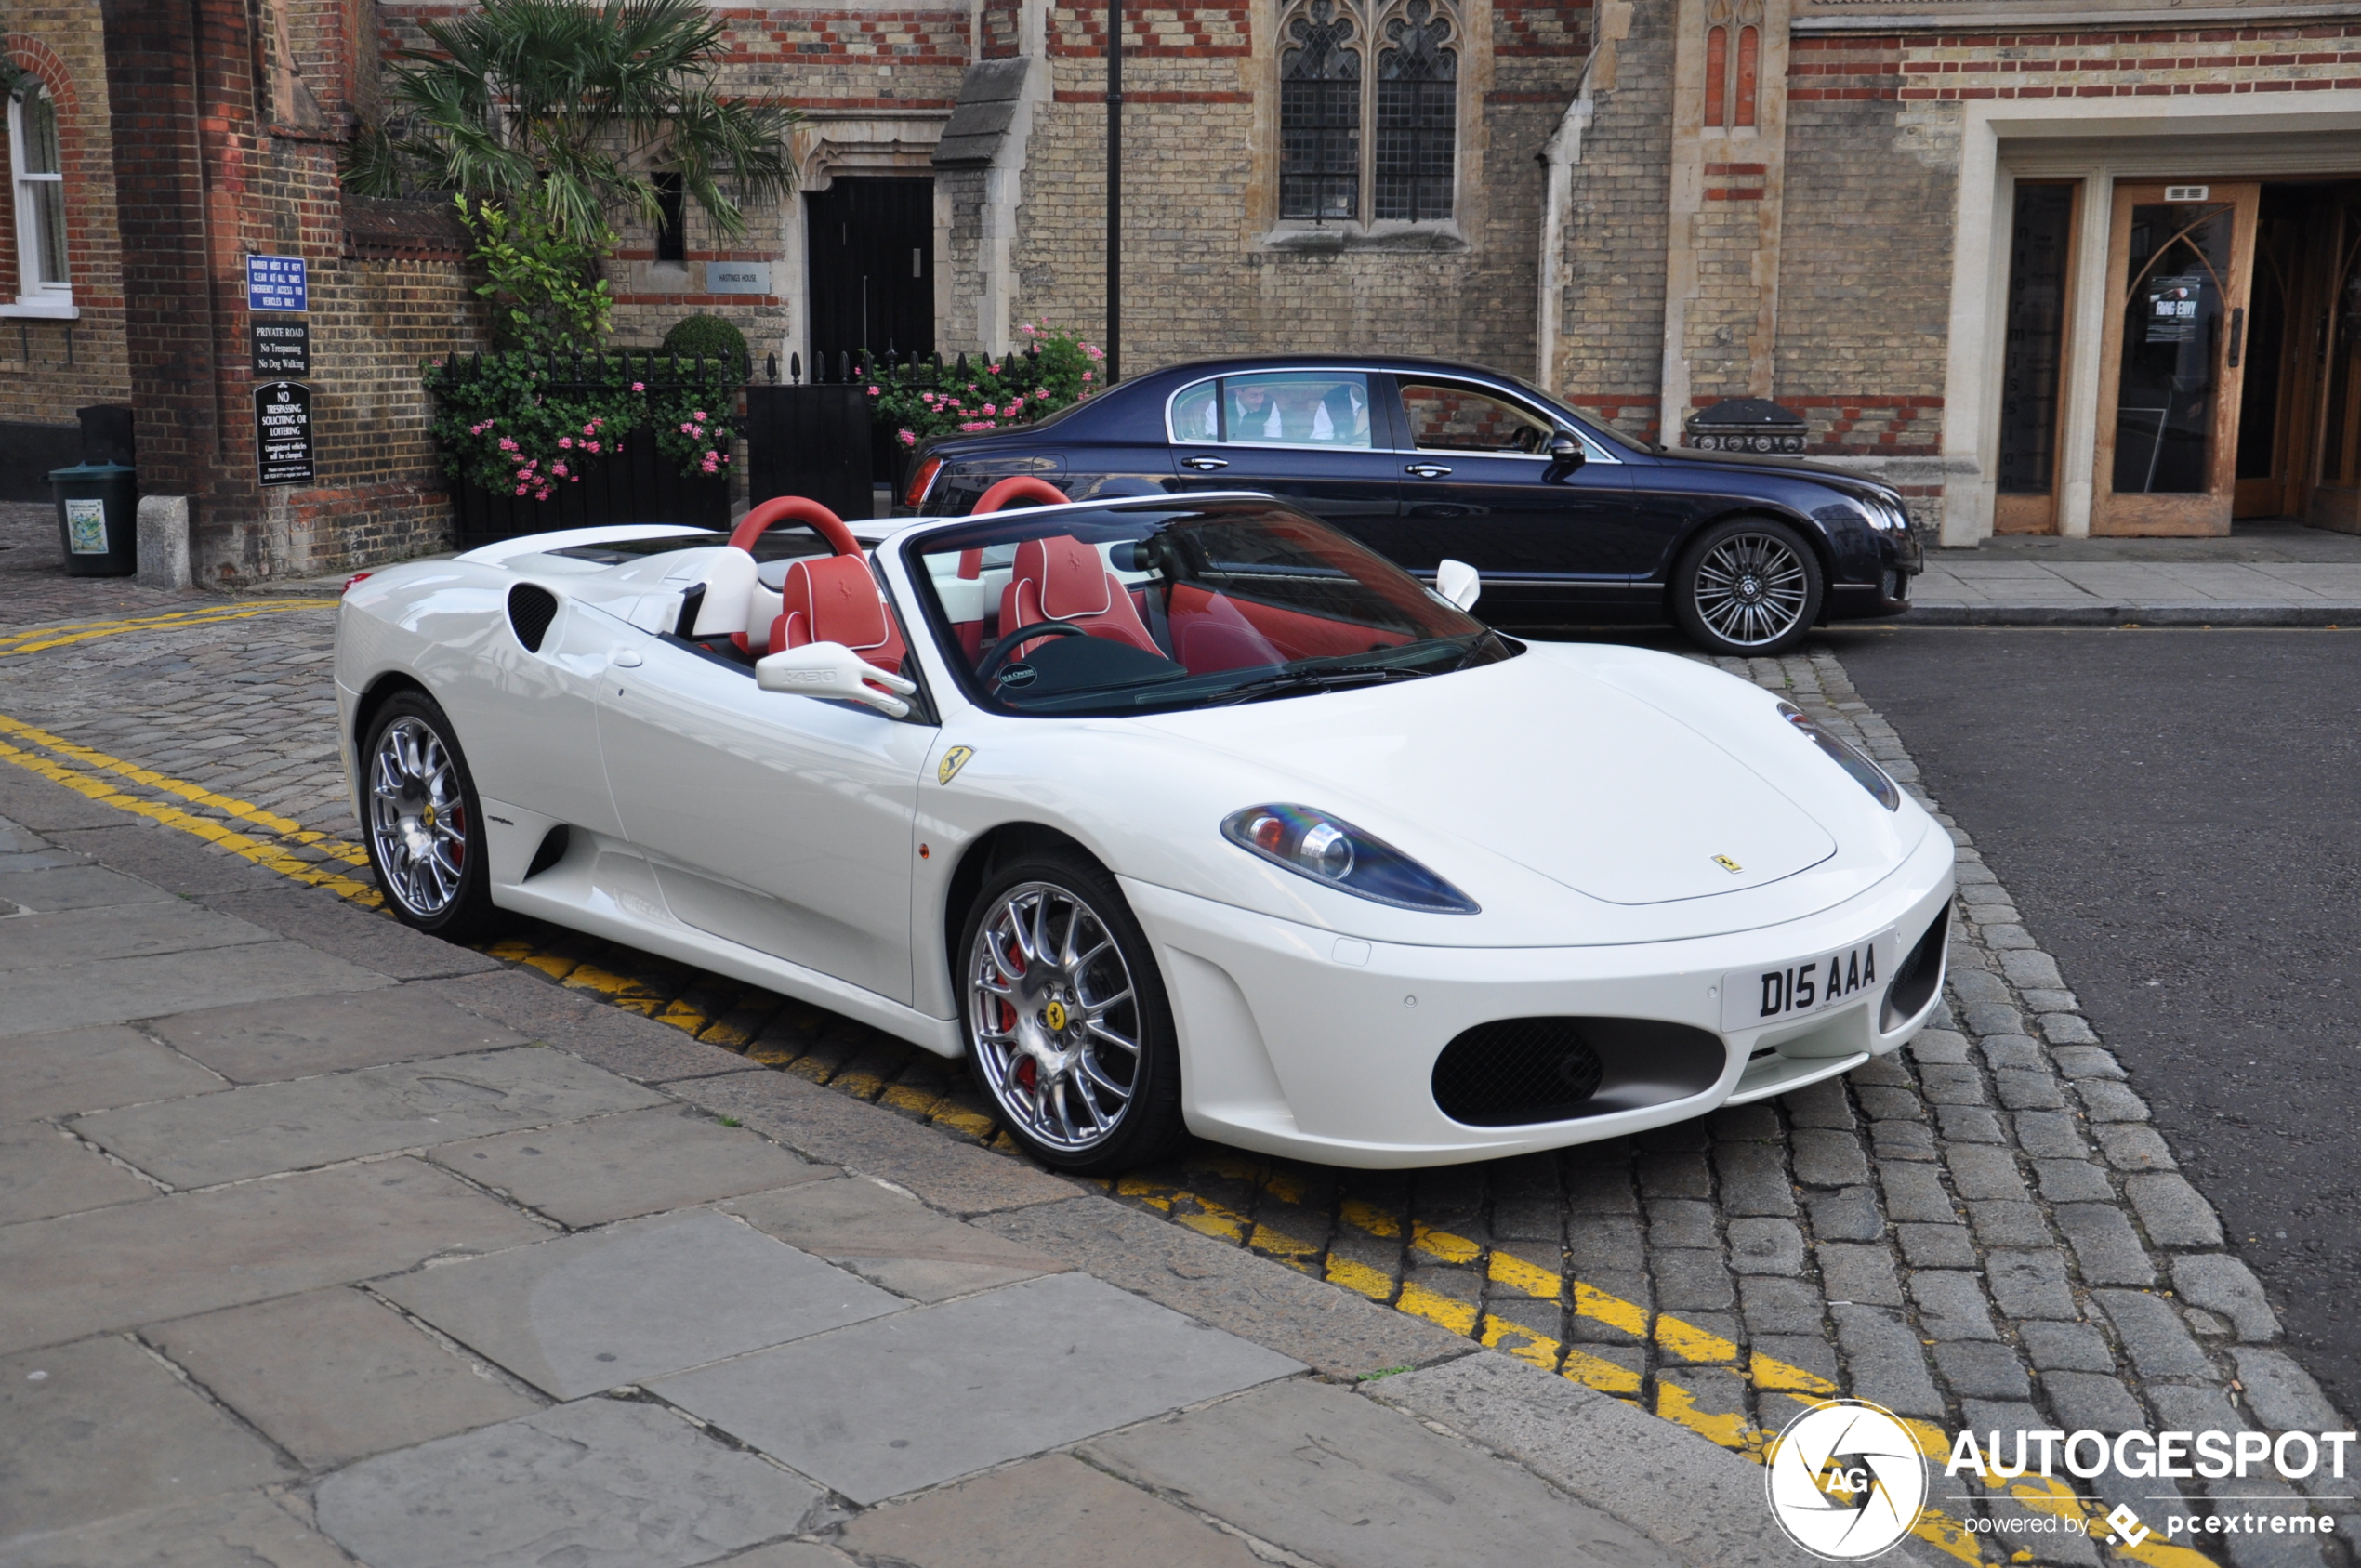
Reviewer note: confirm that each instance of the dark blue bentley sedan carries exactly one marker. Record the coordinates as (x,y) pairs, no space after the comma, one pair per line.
(1568,522)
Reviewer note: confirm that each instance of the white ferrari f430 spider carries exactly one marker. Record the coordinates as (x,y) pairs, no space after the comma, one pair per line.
(1170,815)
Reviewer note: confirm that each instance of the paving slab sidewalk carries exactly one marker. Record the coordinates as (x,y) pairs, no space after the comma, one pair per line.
(321,1250)
(2267,574)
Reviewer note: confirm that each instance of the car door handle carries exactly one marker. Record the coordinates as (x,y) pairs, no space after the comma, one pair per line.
(628,659)
(1204,465)
(1427,470)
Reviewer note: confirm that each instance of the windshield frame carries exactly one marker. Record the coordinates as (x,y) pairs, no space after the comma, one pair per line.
(912,548)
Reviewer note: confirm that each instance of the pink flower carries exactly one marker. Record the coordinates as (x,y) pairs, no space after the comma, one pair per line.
(873,392)
(990,409)
(1086,375)
(507,445)
(907,438)
(591,445)
(638,386)
(971,385)
(1094,350)
(556,468)
(565,441)
(699,414)
(688,430)
(521,489)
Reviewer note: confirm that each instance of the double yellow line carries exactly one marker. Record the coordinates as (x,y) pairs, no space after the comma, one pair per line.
(39,638)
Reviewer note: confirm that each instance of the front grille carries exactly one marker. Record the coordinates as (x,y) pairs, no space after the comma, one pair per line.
(531,608)
(1512,1071)
(1915,981)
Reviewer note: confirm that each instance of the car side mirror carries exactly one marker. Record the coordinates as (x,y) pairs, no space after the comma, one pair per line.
(832,670)
(1459,583)
(1564,448)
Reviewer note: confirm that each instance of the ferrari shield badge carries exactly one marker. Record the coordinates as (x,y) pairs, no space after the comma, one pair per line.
(953,760)
(1055,1017)
(1726,864)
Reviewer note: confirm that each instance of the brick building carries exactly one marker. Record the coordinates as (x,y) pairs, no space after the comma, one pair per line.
(2072,267)
(152,148)
(2066,268)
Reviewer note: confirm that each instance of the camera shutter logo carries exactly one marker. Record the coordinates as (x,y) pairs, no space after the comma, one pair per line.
(1846,1480)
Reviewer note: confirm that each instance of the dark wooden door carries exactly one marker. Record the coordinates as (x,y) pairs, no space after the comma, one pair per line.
(872,256)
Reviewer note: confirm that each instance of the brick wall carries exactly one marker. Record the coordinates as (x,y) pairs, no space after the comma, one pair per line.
(1864,291)
(1610,351)
(1200,90)
(50,368)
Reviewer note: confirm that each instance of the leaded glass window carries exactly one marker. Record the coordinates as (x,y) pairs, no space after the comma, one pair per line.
(1417,115)
(1347,155)
(1320,115)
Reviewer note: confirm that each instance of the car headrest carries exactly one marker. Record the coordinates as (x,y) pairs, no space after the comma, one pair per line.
(838,602)
(1067,576)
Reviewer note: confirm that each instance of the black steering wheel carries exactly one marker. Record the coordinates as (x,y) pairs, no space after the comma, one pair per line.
(990,663)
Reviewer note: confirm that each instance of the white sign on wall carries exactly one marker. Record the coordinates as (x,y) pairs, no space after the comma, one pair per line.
(737,277)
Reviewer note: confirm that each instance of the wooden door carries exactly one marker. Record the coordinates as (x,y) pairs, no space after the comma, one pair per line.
(2334,500)
(2182,258)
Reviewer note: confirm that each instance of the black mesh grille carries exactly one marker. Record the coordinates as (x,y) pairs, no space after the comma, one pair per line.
(1516,1070)
(1915,981)
(531,610)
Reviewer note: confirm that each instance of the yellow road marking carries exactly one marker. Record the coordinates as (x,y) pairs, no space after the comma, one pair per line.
(35,639)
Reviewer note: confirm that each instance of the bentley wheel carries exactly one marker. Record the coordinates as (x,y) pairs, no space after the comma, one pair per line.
(1747,587)
(424,826)
(1068,1030)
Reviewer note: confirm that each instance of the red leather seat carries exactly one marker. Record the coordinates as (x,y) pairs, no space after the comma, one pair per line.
(1061,578)
(833,599)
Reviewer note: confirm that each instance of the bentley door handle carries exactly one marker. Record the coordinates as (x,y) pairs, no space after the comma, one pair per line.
(1204,465)
(1427,470)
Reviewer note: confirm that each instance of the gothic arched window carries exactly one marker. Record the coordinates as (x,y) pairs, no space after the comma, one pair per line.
(1732,61)
(1345,154)
(1320,113)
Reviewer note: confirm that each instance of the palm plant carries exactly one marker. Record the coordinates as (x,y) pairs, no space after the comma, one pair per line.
(569,109)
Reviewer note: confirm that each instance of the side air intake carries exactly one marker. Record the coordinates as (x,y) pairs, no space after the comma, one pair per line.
(1916,981)
(531,608)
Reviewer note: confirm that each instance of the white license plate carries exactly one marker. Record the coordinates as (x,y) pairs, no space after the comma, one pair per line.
(1752,998)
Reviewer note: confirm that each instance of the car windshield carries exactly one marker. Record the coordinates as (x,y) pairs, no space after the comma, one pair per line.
(1156,607)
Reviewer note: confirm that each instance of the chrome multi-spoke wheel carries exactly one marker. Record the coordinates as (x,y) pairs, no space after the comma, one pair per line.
(1749,587)
(417,816)
(424,842)
(1053,1017)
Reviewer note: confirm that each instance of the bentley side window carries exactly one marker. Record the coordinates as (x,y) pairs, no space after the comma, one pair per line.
(1296,408)
(1447,417)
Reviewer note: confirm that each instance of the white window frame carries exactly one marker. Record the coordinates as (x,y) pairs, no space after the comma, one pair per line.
(37,296)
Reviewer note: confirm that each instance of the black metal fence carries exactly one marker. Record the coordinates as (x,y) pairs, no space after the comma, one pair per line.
(815,436)
(637,485)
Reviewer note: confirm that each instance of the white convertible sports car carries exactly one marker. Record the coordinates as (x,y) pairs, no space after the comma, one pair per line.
(1168,814)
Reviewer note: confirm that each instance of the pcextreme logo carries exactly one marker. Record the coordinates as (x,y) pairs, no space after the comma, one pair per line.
(1846,1480)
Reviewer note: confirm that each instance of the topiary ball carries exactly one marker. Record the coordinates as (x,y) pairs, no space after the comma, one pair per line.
(709,337)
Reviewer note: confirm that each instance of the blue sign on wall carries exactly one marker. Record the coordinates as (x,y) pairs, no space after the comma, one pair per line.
(275,282)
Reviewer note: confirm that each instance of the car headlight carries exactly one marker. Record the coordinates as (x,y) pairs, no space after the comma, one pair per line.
(1885,514)
(1339,855)
(1867,774)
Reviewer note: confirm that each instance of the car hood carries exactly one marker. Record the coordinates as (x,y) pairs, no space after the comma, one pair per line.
(1544,763)
(1844,477)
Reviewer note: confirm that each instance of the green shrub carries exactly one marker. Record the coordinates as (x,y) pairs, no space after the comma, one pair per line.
(546,292)
(505,421)
(710,338)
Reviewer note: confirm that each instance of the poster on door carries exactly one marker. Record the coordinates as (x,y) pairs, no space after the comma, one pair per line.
(2175,308)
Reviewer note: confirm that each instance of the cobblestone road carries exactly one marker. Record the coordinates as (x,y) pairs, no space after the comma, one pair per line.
(1983,1232)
